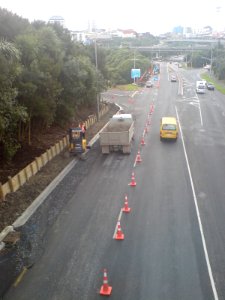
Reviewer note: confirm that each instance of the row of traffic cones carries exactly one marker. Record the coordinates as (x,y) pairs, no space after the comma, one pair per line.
(106,289)
(148,123)
(119,233)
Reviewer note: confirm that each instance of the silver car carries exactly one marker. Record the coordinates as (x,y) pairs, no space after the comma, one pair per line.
(149,84)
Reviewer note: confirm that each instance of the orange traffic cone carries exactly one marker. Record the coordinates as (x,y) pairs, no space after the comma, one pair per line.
(119,234)
(138,157)
(133,182)
(105,288)
(126,207)
(142,141)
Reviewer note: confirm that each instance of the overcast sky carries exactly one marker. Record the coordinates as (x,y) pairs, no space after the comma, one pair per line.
(142,16)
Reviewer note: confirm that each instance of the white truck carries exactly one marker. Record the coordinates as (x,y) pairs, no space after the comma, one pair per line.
(118,134)
(200,86)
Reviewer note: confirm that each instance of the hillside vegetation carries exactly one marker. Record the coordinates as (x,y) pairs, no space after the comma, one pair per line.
(47,79)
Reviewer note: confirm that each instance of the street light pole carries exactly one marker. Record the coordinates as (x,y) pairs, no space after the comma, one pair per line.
(134,59)
(96,66)
(211,59)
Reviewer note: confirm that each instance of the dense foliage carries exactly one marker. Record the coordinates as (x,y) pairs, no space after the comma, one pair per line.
(214,56)
(46,78)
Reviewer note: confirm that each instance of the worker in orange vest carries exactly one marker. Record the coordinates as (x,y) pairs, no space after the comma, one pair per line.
(83,129)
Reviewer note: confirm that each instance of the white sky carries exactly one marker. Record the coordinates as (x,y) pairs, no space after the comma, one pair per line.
(145,16)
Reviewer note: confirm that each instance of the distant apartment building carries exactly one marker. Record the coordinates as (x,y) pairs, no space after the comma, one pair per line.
(188,32)
(79,36)
(204,31)
(125,33)
(57,20)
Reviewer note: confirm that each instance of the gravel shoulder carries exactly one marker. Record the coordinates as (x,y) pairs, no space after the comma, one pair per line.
(16,203)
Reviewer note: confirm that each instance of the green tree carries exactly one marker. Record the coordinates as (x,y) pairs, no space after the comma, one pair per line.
(11,25)
(11,113)
(121,61)
(80,86)
(38,84)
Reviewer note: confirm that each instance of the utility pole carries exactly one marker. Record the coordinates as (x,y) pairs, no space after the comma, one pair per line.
(211,60)
(134,65)
(96,66)
(134,59)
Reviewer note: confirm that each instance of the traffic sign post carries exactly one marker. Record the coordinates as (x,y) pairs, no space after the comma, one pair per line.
(135,73)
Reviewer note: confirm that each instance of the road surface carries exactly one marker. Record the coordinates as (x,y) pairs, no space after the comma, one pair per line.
(174,245)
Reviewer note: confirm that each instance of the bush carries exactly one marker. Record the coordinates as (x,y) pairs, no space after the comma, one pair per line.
(10,149)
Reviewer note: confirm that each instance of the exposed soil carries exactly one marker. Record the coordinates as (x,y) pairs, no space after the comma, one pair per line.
(16,203)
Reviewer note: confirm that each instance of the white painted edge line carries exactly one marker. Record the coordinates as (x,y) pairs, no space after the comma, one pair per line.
(198,214)
(4,233)
(134,94)
(200,111)
(180,86)
(39,200)
(135,162)
(118,220)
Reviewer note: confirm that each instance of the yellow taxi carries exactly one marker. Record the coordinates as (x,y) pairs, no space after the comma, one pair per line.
(168,128)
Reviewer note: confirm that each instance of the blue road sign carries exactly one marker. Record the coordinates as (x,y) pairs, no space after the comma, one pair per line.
(135,73)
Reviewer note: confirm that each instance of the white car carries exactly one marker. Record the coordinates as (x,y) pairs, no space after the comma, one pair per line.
(173,78)
(149,84)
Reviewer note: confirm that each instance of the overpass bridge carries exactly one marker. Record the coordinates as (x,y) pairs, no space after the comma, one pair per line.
(186,45)
(169,49)
(195,40)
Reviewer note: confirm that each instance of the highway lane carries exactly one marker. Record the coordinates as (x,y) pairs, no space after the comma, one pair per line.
(162,255)
(206,147)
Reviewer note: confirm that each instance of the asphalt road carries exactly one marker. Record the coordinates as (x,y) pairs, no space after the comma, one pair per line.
(174,246)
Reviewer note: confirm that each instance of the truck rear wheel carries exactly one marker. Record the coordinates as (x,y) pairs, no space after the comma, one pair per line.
(127,149)
(105,149)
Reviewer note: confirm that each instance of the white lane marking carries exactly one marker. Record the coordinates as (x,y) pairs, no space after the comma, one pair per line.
(135,162)
(198,214)
(118,95)
(200,112)
(197,103)
(180,86)
(134,94)
(119,218)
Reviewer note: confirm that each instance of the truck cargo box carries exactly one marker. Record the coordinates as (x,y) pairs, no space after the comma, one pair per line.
(118,134)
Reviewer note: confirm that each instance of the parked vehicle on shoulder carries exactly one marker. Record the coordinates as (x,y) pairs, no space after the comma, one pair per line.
(210,86)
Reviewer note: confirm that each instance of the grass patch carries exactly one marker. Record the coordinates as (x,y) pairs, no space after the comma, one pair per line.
(128,87)
(219,86)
